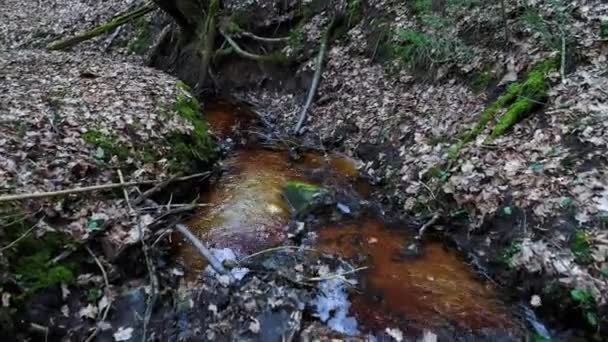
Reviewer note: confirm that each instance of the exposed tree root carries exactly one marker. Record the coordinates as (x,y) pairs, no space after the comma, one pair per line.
(317,76)
(119,20)
(207,38)
(264,39)
(245,54)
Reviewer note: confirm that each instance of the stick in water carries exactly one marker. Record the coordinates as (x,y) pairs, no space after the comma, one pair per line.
(204,251)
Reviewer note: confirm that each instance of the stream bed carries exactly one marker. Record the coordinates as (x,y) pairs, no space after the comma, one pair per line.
(433,292)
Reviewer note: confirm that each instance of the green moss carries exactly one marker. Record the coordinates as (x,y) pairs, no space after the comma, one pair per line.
(30,259)
(189,151)
(530,94)
(303,197)
(108,143)
(581,247)
(520,99)
(509,252)
(604,29)
(141,41)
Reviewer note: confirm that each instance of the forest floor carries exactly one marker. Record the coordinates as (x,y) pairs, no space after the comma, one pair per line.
(399,91)
(530,202)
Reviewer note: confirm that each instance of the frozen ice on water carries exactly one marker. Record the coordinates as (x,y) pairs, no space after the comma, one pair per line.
(332,306)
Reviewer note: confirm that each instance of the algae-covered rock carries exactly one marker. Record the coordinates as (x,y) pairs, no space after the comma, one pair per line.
(303,197)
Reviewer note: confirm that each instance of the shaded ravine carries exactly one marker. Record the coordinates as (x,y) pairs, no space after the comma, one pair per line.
(436,291)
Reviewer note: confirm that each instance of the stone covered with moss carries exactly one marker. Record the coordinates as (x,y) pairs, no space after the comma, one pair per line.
(189,151)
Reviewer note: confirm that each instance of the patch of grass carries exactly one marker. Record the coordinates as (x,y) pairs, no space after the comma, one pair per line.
(108,143)
(189,151)
(354,12)
(581,247)
(420,50)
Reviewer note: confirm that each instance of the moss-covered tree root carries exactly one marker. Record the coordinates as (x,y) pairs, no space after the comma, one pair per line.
(519,99)
(118,20)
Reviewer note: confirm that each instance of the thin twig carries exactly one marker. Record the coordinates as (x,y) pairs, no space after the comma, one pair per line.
(182,206)
(276,249)
(337,275)
(425,226)
(104,315)
(33,195)
(149,264)
(158,187)
(239,50)
(562,68)
(204,251)
(26,233)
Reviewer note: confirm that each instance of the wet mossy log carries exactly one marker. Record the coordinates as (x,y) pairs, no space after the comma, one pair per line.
(115,22)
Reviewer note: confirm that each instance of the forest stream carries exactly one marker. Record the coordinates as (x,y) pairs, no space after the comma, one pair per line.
(249,210)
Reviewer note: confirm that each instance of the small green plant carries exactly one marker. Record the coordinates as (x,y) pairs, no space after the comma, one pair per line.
(604,29)
(483,80)
(581,247)
(509,252)
(141,41)
(421,6)
(108,143)
(584,298)
(354,10)
(552,31)
(418,49)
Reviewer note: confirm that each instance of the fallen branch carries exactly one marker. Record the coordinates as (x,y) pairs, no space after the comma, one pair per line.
(118,20)
(425,226)
(317,76)
(273,249)
(337,275)
(204,251)
(17,197)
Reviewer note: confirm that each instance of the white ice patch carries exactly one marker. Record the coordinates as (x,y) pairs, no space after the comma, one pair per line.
(332,307)
(226,254)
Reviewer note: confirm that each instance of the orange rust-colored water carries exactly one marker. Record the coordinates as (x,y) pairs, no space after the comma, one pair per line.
(225,117)
(246,210)
(425,291)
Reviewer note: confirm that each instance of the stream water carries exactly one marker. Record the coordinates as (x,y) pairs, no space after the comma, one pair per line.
(434,291)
